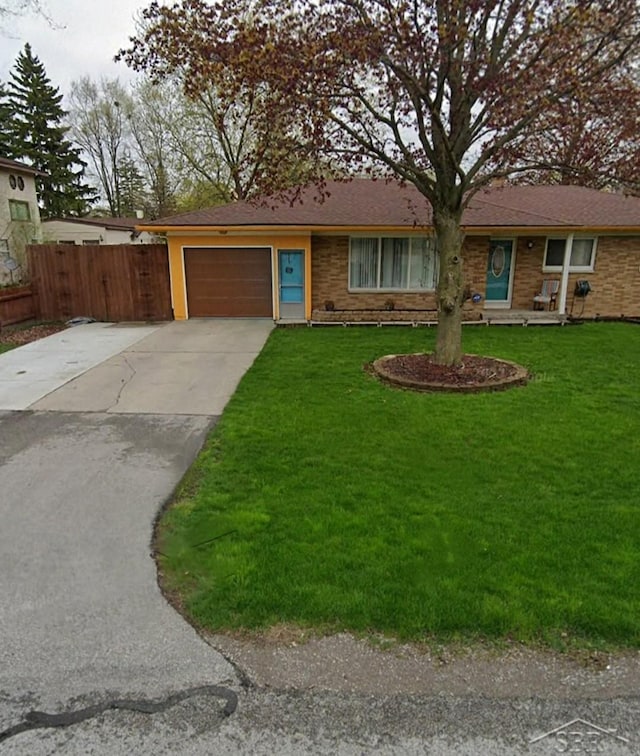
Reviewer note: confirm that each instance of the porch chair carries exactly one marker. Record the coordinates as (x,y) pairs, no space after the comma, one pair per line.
(547,295)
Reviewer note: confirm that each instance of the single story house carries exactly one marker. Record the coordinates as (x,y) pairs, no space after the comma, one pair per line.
(367,253)
(19,217)
(94,231)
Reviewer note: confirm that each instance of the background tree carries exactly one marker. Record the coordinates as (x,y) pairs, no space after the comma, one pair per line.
(35,134)
(11,9)
(226,129)
(209,156)
(109,121)
(98,114)
(432,92)
(132,191)
(204,163)
(153,145)
(189,150)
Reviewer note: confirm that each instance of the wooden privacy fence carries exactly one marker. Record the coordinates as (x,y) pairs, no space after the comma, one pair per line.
(17,304)
(110,282)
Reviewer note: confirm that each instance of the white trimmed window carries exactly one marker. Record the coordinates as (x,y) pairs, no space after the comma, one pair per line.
(583,253)
(392,263)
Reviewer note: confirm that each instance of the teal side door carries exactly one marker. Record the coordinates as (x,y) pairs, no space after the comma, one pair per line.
(291,283)
(499,264)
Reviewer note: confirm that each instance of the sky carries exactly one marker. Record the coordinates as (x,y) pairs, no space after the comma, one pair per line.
(81,40)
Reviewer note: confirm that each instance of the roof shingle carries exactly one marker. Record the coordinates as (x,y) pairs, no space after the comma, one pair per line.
(368,202)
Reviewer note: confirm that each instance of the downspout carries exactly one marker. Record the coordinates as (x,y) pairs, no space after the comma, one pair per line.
(564,281)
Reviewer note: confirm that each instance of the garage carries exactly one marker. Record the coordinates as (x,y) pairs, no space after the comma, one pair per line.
(228,282)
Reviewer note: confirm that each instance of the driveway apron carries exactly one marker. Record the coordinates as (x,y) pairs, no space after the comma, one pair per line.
(83,474)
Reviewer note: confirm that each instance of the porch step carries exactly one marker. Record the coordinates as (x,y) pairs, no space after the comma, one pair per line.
(522,317)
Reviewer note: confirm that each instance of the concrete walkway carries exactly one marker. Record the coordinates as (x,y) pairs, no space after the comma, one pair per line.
(83,475)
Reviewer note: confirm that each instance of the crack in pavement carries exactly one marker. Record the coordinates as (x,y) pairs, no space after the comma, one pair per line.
(125,382)
(40,719)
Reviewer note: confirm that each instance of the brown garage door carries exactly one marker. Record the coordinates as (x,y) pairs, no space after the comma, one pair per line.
(228,282)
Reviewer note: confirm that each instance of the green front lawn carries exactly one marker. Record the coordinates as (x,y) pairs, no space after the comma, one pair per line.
(325,499)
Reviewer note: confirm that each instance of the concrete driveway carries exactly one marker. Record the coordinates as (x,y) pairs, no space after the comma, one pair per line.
(111,427)
(184,368)
(33,371)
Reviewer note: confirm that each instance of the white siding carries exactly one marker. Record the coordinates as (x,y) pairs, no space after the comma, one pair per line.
(81,233)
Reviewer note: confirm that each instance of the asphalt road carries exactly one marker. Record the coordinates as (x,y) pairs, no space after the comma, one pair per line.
(290,723)
(82,619)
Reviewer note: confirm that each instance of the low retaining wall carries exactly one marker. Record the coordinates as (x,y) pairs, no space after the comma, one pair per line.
(385,316)
(17,304)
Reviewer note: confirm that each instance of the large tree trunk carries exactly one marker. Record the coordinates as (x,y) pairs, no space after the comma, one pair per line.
(450,291)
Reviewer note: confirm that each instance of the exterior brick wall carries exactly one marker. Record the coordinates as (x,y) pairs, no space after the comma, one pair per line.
(330,276)
(475,250)
(615,282)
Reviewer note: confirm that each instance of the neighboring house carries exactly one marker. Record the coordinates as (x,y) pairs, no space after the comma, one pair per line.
(19,218)
(367,253)
(94,231)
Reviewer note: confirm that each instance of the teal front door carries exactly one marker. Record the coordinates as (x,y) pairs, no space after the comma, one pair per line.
(291,278)
(499,270)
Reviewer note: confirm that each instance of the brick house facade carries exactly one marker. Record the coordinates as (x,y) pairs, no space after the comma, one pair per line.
(302,255)
(615,282)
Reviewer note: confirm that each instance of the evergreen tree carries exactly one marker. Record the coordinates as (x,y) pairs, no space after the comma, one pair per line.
(37,136)
(131,191)
(5,122)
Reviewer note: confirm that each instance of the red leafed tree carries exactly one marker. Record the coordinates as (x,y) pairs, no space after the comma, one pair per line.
(443,94)
(589,138)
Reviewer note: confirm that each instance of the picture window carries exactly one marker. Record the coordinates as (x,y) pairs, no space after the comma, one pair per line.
(392,263)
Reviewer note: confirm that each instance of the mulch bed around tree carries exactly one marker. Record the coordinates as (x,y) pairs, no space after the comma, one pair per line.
(475,373)
(21,335)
